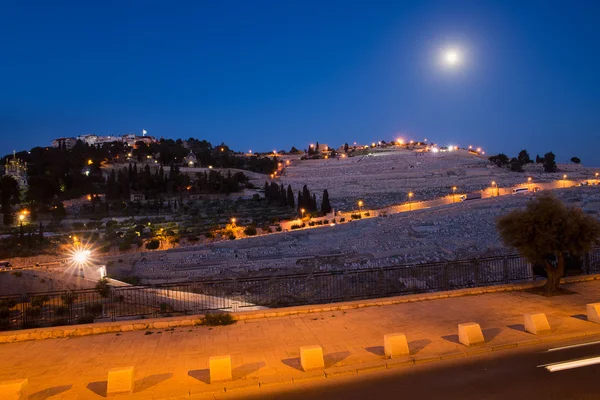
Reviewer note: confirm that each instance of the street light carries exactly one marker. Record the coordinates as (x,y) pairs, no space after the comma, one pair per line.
(454,194)
(360,204)
(564,180)
(597,177)
(497,189)
(410,195)
(233,222)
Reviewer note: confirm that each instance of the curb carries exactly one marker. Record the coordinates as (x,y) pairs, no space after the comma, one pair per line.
(192,320)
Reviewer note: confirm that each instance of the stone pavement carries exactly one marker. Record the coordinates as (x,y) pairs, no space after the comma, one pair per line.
(173,362)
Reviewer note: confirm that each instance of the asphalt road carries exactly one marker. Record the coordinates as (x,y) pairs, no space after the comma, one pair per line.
(510,374)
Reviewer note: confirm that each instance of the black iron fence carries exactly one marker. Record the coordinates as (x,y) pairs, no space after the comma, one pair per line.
(92,305)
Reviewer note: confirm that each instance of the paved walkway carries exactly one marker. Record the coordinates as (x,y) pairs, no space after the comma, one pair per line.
(173,363)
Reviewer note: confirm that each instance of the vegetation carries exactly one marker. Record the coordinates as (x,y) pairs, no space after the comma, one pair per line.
(549,162)
(546,232)
(217,319)
(575,160)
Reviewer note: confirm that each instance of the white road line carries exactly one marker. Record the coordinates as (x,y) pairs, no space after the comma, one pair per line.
(561,366)
(573,346)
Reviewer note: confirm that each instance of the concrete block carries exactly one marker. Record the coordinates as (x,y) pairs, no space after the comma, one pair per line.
(593,312)
(536,323)
(395,345)
(220,368)
(120,380)
(470,333)
(160,324)
(311,357)
(14,390)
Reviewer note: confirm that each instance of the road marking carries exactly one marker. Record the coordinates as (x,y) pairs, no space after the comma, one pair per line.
(561,366)
(573,346)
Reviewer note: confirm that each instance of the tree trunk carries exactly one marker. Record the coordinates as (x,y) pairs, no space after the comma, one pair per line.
(555,274)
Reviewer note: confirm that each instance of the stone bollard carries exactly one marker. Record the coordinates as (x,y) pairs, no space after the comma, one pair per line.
(311,357)
(120,380)
(536,323)
(220,368)
(593,312)
(395,345)
(470,333)
(14,390)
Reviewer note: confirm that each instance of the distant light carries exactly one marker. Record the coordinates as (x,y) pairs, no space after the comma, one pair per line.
(435,150)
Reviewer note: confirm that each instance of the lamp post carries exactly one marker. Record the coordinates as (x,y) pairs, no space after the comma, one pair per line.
(233,222)
(597,177)
(302,212)
(410,195)
(454,194)
(495,185)
(564,181)
(360,204)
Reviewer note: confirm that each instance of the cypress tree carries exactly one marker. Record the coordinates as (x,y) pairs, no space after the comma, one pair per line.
(325,205)
(290,197)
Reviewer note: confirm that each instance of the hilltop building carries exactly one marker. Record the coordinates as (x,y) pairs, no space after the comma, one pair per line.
(130,139)
(17,169)
(190,160)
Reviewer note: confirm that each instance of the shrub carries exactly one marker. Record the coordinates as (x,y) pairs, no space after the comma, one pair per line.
(103,288)
(342,219)
(217,319)
(278,229)
(250,230)
(325,221)
(367,214)
(311,223)
(355,216)
(231,236)
(153,244)
(296,226)
(86,319)
(209,235)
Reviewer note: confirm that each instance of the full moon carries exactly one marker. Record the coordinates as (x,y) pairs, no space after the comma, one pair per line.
(451,57)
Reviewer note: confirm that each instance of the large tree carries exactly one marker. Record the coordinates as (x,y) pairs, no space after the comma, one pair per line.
(546,231)
(549,162)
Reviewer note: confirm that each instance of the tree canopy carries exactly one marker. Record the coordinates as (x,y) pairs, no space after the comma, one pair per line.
(546,231)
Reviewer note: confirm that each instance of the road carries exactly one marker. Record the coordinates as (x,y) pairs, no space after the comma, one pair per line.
(510,374)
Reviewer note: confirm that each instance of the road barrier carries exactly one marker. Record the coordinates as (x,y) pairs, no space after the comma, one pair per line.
(229,295)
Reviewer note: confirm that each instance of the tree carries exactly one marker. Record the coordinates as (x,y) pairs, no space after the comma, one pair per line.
(290,197)
(549,162)
(499,159)
(546,232)
(575,160)
(515,165)
(523,157)
(294,150)
(346,147)
(9,195)
(325,205)
(538,159)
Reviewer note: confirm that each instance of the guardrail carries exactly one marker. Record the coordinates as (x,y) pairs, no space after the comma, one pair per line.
(114,303)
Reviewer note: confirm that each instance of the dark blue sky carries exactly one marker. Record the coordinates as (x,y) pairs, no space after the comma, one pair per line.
(266,75)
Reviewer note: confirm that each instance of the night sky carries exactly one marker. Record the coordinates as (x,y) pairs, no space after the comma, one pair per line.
(266,75)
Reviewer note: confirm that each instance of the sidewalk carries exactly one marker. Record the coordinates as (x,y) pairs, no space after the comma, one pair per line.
(172,363)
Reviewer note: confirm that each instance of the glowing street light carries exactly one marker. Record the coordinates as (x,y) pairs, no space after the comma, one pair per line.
(454,194)
(564,180)
(495,185)
(302,211)
(410,195)
(529,179)
(360,204)
(233,221)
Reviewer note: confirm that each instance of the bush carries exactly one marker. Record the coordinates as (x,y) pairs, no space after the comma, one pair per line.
(325,221)
(355,216)
(103,288)
(250,231)
(231,236)
(311,223)
(217,319)
(342,219)
(153,244)
(296,226)
(86,319)
(209,235)
(367,214)
(278,229)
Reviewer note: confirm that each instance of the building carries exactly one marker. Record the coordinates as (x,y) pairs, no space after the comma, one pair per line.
(190,160)
(67,143)
(17,169)
(129,139)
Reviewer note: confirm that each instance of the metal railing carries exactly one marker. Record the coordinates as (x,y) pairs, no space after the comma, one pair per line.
(91,305)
